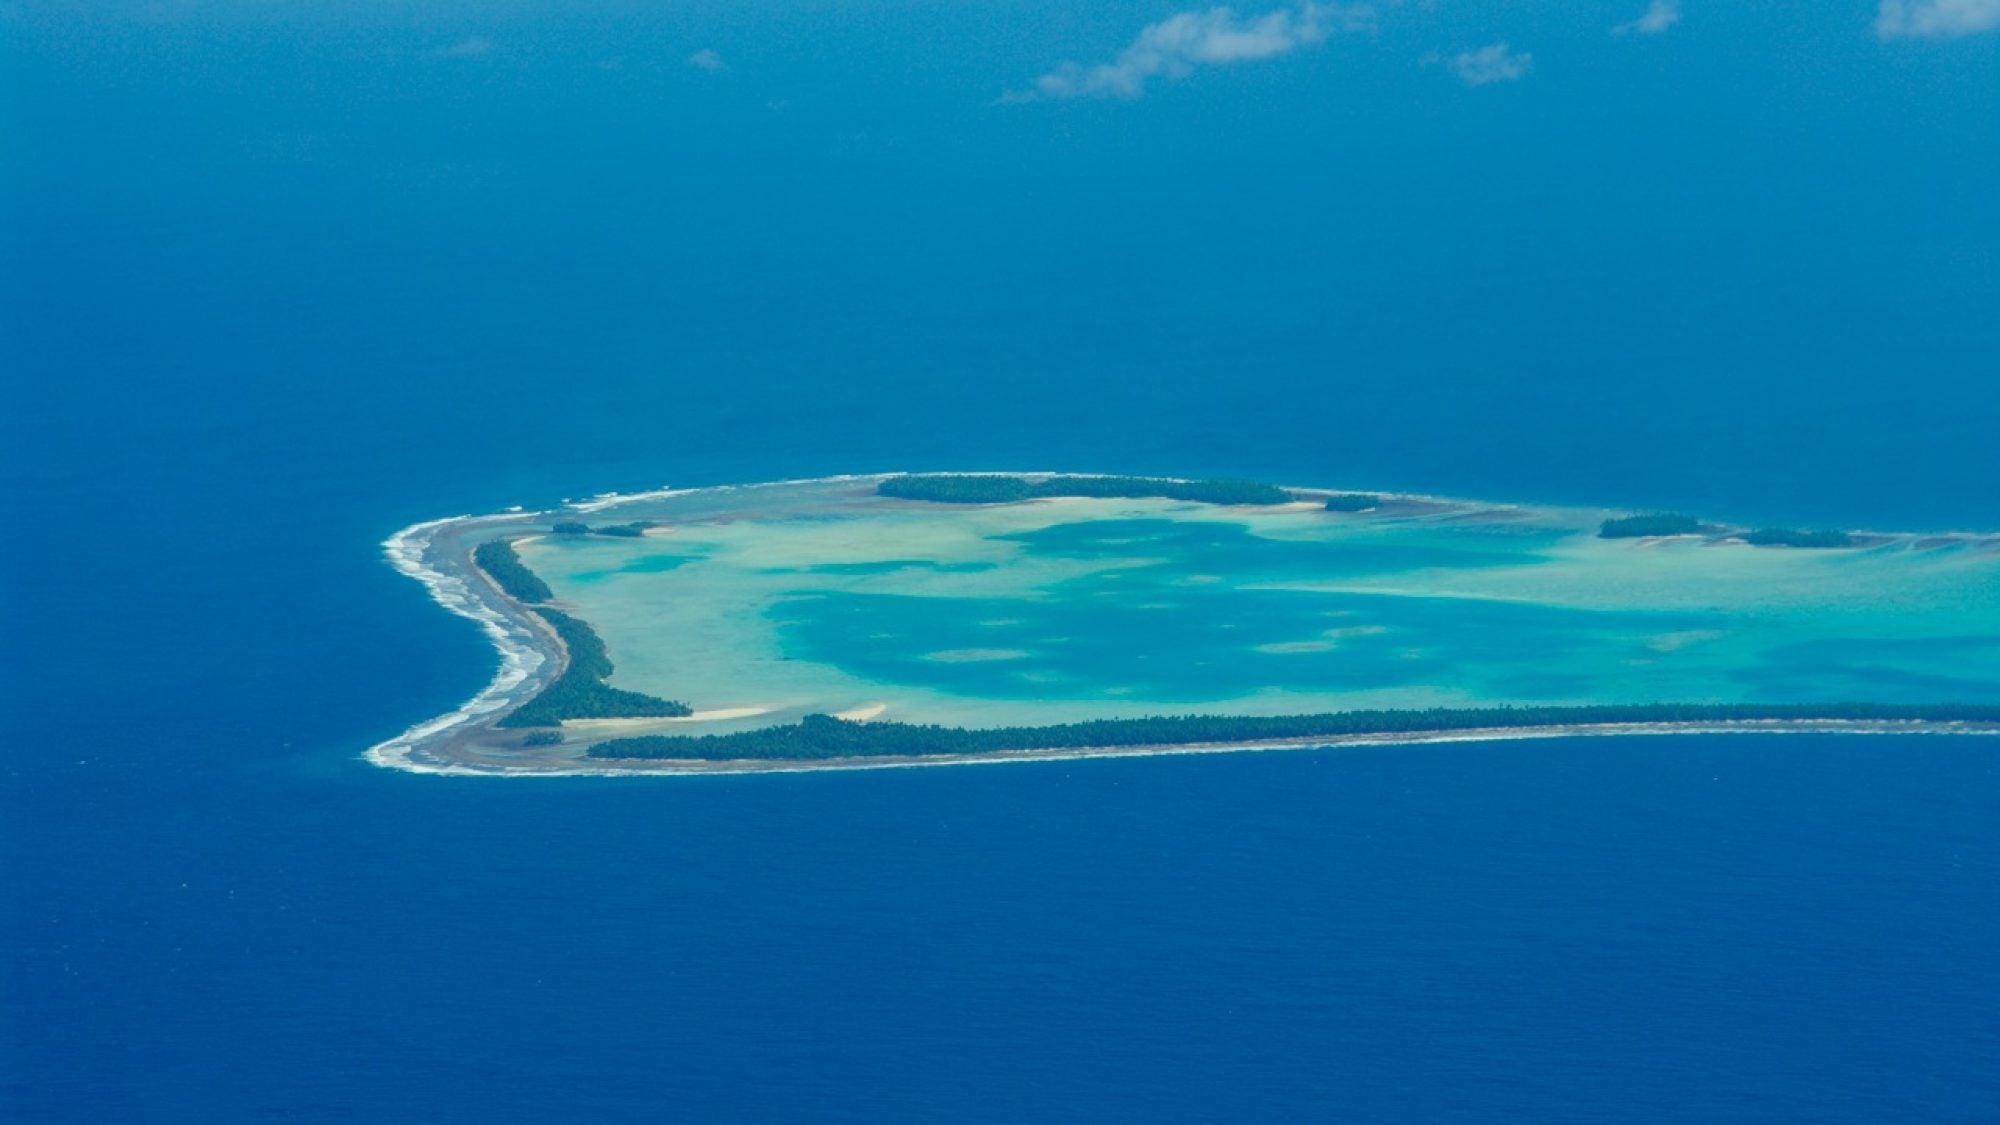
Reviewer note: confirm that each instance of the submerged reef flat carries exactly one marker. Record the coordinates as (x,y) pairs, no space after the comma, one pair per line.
(890,620)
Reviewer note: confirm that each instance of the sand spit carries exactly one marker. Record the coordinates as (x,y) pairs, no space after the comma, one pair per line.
(628,727)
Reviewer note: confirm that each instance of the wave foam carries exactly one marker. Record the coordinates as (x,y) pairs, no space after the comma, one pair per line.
(519,658)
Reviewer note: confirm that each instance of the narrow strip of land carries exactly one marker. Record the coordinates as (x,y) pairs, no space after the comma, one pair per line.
(825,737)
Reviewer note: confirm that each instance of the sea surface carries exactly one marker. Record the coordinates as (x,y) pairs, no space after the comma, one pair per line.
(279,280)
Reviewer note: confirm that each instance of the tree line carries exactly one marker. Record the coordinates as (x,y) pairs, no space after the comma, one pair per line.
(632,530)
(821,737)
(500,562)
(951,489)
(580,692)
(1658,523)
(1673,523)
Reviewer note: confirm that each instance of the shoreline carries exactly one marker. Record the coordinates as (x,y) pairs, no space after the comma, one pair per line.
(532,656)
(739,767)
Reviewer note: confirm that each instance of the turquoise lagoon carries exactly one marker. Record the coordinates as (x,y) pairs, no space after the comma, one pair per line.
(829,599)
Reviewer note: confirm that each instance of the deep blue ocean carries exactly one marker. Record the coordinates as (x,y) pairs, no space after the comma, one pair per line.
(276,281)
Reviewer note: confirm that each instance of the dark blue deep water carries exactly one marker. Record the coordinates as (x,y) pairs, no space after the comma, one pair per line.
(278,280)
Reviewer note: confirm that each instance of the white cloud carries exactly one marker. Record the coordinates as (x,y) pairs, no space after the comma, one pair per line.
(1491,63)
(1177,45)
(466,49)
(706,59)
(1936,19)
(1658,16)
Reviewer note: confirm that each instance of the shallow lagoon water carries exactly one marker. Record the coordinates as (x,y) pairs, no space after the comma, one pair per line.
(823,598)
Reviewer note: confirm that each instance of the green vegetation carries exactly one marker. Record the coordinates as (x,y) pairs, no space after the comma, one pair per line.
(502,565)
(632,530)
(1352,502)
(1145,488)
(1660,523)
(543,738)
(1669,523)
(1791,537)
(581,692)
(957,490)
(1004,490)
(821,737)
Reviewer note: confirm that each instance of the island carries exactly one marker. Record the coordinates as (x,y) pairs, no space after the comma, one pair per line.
(1649,526)
(1353,502)
(940,618)
(1792,537)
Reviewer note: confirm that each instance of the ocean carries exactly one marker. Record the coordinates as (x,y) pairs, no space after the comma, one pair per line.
(279,283)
